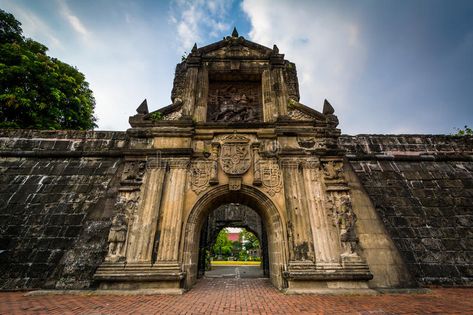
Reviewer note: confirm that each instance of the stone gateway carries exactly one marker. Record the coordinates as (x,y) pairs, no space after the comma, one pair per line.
(235,147)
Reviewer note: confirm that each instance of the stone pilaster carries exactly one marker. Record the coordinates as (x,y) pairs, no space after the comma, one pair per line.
(324,233)
(200,113)
(189,94)
(280,91)
(300,238)
(256,164)
(214,167)
(269,110)
(145,220)
(172,208)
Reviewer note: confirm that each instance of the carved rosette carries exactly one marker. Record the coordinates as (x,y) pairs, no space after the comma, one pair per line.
(200,175)
(235,157)
(271,177)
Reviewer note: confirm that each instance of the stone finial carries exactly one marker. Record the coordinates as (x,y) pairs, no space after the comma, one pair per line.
(194,48)
(275,50)
(235,32)
(328,109)
(143,108)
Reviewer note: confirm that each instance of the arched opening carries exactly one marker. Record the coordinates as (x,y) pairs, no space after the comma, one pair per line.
(246,244)
(249,197)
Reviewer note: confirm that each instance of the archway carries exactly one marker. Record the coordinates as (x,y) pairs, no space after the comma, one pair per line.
(256,200)
(243,220)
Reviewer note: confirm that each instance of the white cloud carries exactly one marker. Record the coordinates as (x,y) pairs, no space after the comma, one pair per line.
(195,20)
(325,44)
(32,25)
(72,19)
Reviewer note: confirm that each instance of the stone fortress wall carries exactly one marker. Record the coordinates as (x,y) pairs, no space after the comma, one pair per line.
(57,190)
(56,198)
(422,188)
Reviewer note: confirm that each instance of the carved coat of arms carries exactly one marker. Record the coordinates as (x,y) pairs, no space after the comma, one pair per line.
(200,175)
(271,176)
(235,156)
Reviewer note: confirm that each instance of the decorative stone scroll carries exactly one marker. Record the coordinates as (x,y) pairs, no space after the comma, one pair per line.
(200,174)
(174,115)
(271,177)
(235,157)
(296,114)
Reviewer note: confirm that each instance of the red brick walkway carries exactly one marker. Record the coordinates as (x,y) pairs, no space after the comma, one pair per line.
(241,296)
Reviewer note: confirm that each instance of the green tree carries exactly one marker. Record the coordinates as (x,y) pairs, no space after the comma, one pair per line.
(249,239)
(38,91)
(223,246)
(467,131)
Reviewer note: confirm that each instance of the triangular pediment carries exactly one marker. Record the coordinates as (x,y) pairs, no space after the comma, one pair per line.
(235,47)
(301,112)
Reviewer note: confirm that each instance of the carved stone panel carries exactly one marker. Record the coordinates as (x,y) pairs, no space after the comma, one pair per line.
(234,101)
(271,176)
(200,172)
(235,157)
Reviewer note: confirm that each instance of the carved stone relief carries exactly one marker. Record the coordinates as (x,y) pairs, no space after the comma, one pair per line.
(310,143)
(333,170)
(235,157)
(200,172)
(174,115)
(344,218)
(271,176)
(234,101)
(298,115)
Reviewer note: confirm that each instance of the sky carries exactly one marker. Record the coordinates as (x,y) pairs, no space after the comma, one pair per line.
(387,67)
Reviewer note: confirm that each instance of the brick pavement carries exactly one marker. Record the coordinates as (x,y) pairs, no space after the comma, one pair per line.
(240,296)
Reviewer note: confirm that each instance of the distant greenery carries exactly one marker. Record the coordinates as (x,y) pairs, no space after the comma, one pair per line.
(466,131)
(38,91)
(223,246)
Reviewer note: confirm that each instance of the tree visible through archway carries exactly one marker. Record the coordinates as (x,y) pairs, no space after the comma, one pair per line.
(233,243)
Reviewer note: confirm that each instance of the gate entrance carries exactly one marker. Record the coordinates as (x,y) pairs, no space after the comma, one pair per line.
(247,208)
(242,252)
(235,148)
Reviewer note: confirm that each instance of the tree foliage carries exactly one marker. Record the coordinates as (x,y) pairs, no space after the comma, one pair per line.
(467,131)
(38,91)
(249,239)
(223,246)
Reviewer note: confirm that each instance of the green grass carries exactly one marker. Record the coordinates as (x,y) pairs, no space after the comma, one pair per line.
(235,263)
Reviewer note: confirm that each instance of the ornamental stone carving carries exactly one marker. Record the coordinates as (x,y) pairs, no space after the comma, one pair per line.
(296,114)
(116,239)
(271,177)
(235,157)
(332,170)
(200,173)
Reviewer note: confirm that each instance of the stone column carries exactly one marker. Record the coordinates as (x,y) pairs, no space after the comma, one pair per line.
(143,230)
(172,208)
(325,236)
(300,236)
